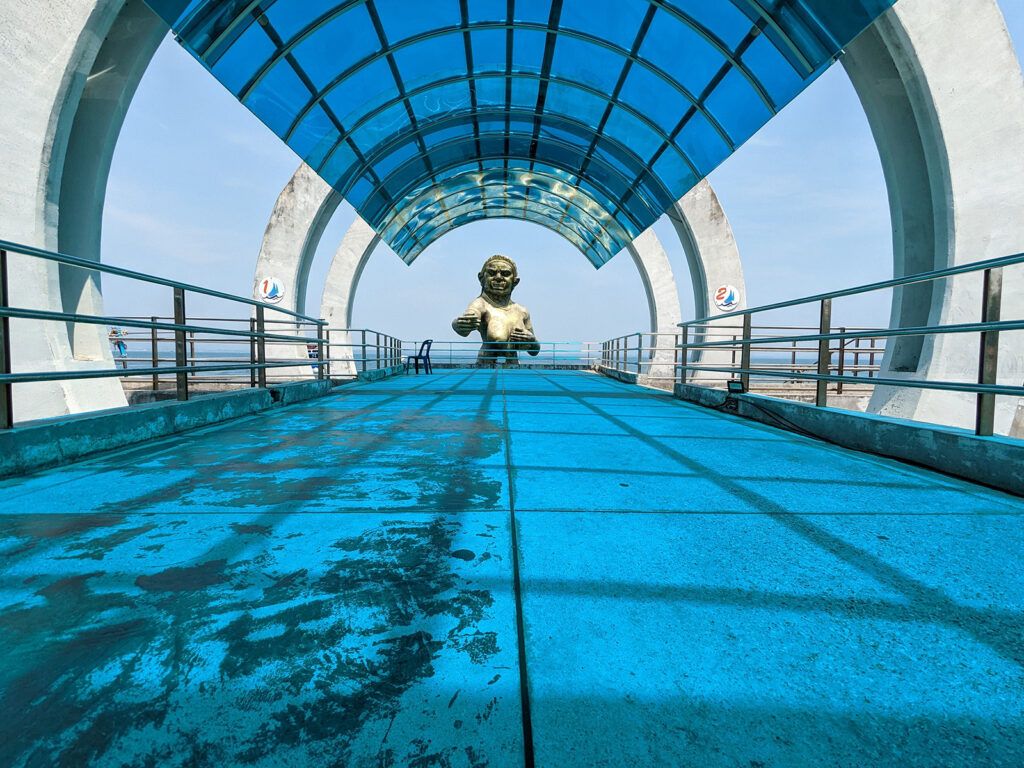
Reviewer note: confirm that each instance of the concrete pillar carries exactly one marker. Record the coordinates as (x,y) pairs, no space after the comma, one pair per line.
(292,236)
(944,95)
(68,68)
(340,289)
(714,260)
(663,304)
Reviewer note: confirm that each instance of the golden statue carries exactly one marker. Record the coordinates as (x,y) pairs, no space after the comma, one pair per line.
(504,326)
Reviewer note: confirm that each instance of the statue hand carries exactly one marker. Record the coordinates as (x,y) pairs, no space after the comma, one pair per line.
(521,336)
(467,322)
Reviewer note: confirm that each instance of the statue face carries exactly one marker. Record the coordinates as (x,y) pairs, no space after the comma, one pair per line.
(498,278)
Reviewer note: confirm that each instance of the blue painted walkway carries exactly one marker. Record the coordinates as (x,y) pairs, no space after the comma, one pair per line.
(356,581)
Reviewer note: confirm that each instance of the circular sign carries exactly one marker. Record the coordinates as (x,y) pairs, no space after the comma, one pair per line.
(727,298)
(270,290)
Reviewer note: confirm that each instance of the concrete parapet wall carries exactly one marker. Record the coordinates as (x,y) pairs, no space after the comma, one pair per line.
(629,378)
(51,442)
(994,461)
(381,373)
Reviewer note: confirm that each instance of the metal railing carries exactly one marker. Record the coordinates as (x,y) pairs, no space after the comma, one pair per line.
(186,367)
(986,388)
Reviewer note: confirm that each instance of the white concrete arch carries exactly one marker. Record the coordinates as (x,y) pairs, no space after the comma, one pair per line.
(944,96)
(69,69)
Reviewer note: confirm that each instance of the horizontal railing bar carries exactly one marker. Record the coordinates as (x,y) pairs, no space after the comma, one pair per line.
(954,386)
(30,378)
(924,330)
(95,266)
(921,277)
(69,317)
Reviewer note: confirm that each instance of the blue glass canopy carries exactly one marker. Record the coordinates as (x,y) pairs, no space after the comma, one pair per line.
(590,117)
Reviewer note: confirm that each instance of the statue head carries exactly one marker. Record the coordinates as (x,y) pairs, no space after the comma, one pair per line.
(498,277)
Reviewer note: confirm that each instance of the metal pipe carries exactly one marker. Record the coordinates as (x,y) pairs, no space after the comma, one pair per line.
(181,377)
(252,352)
(824,353)
(745,352)
(988,362)
(154,350)
(320,350)
(261,349)
(7,389)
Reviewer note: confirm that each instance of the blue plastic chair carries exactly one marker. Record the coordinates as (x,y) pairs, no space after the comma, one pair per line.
(423,355)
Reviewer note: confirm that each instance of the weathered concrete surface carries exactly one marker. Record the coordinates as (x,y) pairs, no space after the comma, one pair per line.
(68,69)
(714,260)
(662,302)
(50,442)
(333,584)
(944,95)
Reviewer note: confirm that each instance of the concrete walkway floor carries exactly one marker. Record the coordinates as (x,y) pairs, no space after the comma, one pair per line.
(360,580)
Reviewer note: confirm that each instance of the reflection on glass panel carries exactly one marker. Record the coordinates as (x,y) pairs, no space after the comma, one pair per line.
(654,97)
(700,142)
(488,50)
(629,131)
(675,48)
(290,17)
(583,62)
(490,92)
(337,46)
(278,97)
(736,106)
(432,59)
(611,20)
(773,70)
(402,20)
(723,20)
(314,136)
(440,101)
(244,59)
(567,100)
(528,50)
(363,91)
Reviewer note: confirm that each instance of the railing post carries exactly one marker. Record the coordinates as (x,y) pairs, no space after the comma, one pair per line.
(261,348)
(683,356)
(824,353)
(154,351)
(988,358)
(180,350)
(856,357)
(364,350)
(6,389)
(745,352)
(321,357)
(639,352)
(377,347)
(842,360)
(252,351)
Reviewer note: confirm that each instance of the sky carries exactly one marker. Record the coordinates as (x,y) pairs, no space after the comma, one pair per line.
(195,177)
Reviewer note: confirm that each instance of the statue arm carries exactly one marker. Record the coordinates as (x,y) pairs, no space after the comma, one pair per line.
(534,348)
(469,320)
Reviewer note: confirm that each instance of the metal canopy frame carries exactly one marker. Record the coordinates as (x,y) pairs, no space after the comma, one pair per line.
(628,102)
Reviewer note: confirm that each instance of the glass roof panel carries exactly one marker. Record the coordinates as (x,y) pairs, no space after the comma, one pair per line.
(597,116)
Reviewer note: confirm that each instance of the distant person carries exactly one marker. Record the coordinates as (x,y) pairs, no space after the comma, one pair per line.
(116,337)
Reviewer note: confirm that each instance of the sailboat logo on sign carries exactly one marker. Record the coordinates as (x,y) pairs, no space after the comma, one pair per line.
(727,298)
(270,290)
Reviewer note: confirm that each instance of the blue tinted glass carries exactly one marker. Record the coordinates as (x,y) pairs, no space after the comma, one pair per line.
(337,46)
(432,59)
(314,137)
(586,63)
(654,97)
(488,50)
(682,53)
(723,20)
(362,92)
(567,100)
(773,70)
(536,11)
(488,10)
(528,50)
(631,132)
(290,17)
(700,142)
(612,20)
(401,21)
(737,107)
(279,97)
(490,92)
(440,101)
(595,170)
(244,59)
(393,120)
